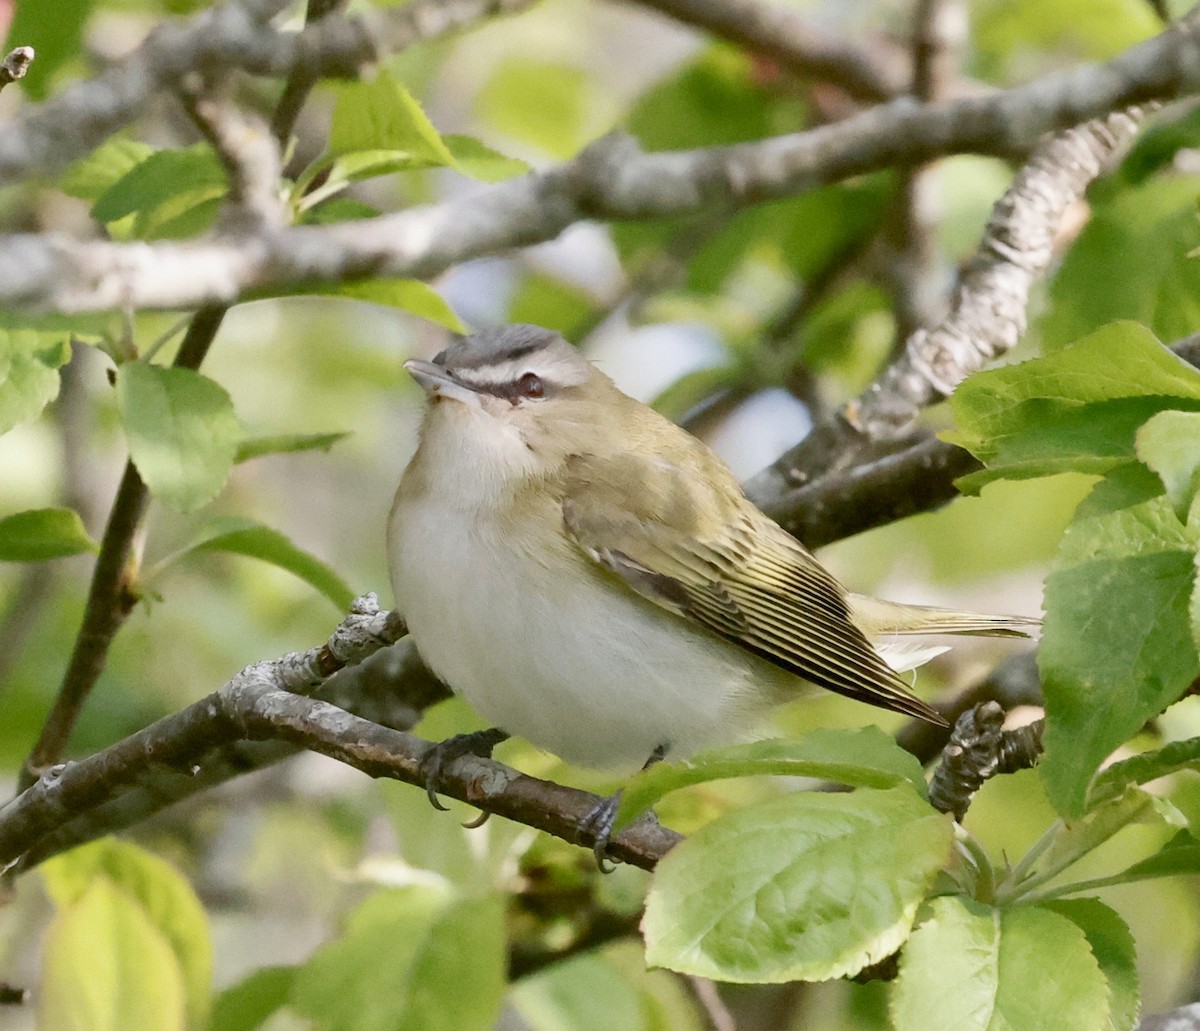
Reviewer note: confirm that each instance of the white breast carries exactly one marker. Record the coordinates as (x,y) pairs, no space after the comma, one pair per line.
(565,657)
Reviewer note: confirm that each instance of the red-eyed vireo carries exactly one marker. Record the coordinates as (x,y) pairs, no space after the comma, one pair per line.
(591,577)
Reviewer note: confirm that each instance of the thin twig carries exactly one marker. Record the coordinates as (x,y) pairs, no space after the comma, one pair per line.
(15,65)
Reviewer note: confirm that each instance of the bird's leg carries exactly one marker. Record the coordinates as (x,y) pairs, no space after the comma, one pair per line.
(598,823)
(478,742)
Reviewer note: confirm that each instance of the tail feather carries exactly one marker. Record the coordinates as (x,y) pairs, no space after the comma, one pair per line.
(876,617)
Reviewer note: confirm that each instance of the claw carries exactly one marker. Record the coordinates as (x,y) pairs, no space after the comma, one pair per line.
(598,825)
(479,742)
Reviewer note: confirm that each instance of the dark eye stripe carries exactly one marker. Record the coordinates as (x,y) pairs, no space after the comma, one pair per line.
(516,392)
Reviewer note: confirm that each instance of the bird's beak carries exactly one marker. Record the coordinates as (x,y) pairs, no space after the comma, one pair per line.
(437,382)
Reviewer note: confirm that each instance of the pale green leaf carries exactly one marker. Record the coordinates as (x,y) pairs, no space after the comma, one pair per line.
(1131,261)
(866,758)
(1117,644)
(106,967)
(974,968)
(1169,443)
(476,159)
(382,115)
(537,102)
(164,895)
(807,887)
(1078,409)
(245,537)
(411,959)
(43,533)
(181,429)
(285,443)
(161,179)
(1112,944)
(410,295)
(91,177)
(29,364)
(248,1004)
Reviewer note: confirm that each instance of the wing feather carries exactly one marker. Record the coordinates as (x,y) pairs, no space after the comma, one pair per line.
(682,536)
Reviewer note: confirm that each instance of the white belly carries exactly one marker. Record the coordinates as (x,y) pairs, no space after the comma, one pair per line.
(576,664)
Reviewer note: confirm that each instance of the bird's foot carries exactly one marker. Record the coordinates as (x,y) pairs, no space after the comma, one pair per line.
(441,754)
(598,825)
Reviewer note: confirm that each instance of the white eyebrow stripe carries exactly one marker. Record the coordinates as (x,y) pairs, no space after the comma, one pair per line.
(550,368)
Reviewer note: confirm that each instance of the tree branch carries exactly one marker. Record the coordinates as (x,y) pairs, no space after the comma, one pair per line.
(15,65)
(267,702)
(47,137)
(609,180)
(797,45)
(987,314)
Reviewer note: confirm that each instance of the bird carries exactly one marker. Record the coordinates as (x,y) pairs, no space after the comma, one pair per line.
(591,577)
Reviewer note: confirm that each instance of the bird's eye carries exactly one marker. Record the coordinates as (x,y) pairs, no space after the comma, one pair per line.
(530,385)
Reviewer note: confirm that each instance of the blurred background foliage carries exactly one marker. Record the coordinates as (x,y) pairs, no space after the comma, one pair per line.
(745,325)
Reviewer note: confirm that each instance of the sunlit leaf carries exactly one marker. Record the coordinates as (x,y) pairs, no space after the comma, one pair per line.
(247,1005)
(164,896)
(91,177)
(181,429)
(285,443)
(974,968)
(106,967)
(807,887)
(29,364)
(537,102)
(410,959)
(1117,645)
(244,537)
(861,758)
(1077,410)
(381,115)
(43,533)
(1112,944)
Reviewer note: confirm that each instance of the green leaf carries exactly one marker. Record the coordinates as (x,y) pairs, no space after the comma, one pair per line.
(106,967)
(973,968)
(91,177)
(712,101)
(1131,262)
(476,159)
(1117,643)
(538,102)
(163,186)
(1112,944)
(866,758)
(1169,443)
(410,295)
(29,364)
(55,31)
(411,959)
(285,443)
(546,301)
(1145,767)
(727,381)
(247,1005)
(1078,409)
(43,533)
(245,537)
(383,115)
(181,429)
(164,896)
(339,209)
(601,992)
(808,887)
